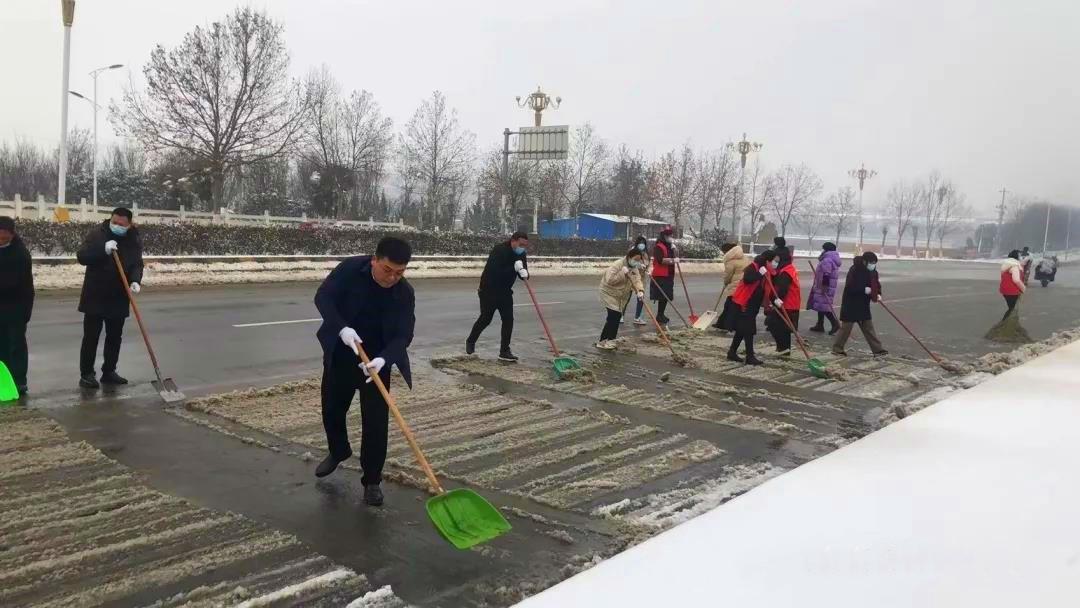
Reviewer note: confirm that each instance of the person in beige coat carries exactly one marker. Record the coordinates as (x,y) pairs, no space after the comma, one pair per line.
(735,262)
(620,281)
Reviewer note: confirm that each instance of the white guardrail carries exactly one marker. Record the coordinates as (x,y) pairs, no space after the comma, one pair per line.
(88,212)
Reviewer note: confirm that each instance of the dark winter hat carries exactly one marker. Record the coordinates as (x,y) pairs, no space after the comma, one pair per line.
(829,246)
(765,256)
(784,254)
(1014,254)
(6,223)
(780,242)
(870,257)
(667,230)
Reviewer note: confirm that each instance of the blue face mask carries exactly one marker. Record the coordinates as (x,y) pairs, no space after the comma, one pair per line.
(641,246)
(871,267)
(774,264)
(118,230)
(635,264)
(519,250)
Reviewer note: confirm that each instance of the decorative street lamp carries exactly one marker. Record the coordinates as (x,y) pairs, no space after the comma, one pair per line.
(67,8)
(538,102)
(94,75)
(862,174)
(744,148)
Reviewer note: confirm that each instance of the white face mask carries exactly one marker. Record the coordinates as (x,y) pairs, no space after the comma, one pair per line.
(871,267)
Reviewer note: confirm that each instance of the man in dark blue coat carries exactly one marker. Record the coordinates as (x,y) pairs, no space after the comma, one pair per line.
(506,264)
(16,301)
(364,302)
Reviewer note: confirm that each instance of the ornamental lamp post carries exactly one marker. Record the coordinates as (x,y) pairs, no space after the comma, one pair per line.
(538,102)
(744,147)
(861,174)
(67,8)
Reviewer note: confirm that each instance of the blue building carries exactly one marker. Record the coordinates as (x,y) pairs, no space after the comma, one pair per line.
(601,226)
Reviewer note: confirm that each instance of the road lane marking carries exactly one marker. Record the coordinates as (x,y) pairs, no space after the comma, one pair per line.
(276,323)
(541,304)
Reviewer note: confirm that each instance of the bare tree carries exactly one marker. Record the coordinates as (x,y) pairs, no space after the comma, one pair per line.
(903,201)
(675,181)
(885,235)
(760,192)
(812,218)
(915,240)
(439,151)
(582,173)
(519,186)
(937,190)
(223,95)
(954,206)
(346,139)
(840,207)
(794,187)
(715,175)
(630,183)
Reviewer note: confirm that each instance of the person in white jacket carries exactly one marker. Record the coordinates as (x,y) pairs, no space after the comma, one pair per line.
(1011,284)
(621,280)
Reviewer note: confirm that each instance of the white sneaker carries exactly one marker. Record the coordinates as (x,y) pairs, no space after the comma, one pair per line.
(640,321)
(606,345)
(621,320)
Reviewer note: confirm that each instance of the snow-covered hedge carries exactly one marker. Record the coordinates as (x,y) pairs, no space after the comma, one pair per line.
(50,238)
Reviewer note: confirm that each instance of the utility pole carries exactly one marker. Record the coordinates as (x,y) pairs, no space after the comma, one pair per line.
(1068,229)
(68,9)
(862,174)
(1046,231)
(506,180)
(1001,222)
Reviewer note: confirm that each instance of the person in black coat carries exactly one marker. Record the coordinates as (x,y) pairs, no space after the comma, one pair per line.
(506,264)
(16,302)
(103,300)
(861,288)
(747,300)
(364,302)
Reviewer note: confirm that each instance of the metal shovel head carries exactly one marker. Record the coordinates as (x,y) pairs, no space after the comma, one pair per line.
(706,320)
(168,390)
(8,390)
(817,368)
(563,365)
(465,519)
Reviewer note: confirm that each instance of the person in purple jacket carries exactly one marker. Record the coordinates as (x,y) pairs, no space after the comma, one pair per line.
(823,291)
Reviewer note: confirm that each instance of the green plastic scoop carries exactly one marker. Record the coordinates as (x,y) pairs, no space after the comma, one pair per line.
(8,390)
(462,516)
(563,366)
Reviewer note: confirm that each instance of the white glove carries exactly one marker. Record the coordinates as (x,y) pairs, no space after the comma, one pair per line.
(640,295)
(763,271)
(778,303)
(110,247)
(135,288)
(376,364)
(625,270)
(523,273)
(866,291)
(878,299)
(349,336)
(519,265)
(677,260)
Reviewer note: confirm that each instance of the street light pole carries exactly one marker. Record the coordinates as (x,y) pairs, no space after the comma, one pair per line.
(744,147)
(68,15)
(94,74)
(538,102)
(1000,223)
(862,174)
(1046,231)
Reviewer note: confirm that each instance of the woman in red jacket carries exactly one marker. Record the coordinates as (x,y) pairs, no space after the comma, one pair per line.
(1011,284)
(747,300)
(788,296)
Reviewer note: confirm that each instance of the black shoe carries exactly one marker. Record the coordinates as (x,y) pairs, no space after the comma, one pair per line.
(752,360)
(470,348)
(734,357)
(881,353)
(663,320)
(818,329)
(508,356)
(22,389)
(373,495)
(327,466)
(112,378)
(832,332)
(88,381)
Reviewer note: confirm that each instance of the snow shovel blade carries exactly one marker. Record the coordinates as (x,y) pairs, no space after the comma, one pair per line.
(563,365)
(817,368)
(465,519)
(706,320)
(168,390)
(8,390)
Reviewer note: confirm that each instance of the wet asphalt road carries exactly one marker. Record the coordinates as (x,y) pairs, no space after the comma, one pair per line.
(220,338)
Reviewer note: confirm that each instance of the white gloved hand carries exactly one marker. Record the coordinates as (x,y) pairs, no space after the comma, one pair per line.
(625,270)
(866,290)
(376,364)
(879,298)
(519,265)
(523,273)
(778,303)
(135,288)
(678,260)
(640,295)
(110,247)
(349,336)
(763,271)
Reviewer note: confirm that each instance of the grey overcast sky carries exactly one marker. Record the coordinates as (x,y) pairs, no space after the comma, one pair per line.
(987,92)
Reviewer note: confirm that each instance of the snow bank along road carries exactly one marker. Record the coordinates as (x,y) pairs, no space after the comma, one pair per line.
(972,502)
(583,469)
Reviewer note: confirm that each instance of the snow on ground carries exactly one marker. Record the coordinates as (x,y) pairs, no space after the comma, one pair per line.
(70,276)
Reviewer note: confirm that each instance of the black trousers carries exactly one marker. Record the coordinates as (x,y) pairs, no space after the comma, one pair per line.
(114,336)
(779,329)
(489,303)
(821,316)
(1010,301)
(340,382)
(739,338)
(611,325)
(13,351)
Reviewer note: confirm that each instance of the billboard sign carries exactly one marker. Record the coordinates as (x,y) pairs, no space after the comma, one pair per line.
(543,143)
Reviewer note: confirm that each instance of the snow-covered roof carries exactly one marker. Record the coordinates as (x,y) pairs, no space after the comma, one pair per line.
(623,219)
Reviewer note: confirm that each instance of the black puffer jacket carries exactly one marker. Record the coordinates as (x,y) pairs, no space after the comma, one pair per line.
(499,274)
(103,291)
(16,283)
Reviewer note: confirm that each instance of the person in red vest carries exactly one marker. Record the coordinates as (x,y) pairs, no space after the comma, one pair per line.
(665,258)
(747,299)
(1012,281)
(788,296)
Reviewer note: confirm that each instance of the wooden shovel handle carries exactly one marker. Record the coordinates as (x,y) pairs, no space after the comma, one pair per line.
(910,333)
(434,481)
(663,336)
(668,300)
(686,293)
(787,320)
(543,323)
(138,317)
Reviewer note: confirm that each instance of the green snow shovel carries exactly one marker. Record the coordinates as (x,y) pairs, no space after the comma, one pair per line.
(816,366)
(8,390)
(462,516)
(564,366)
